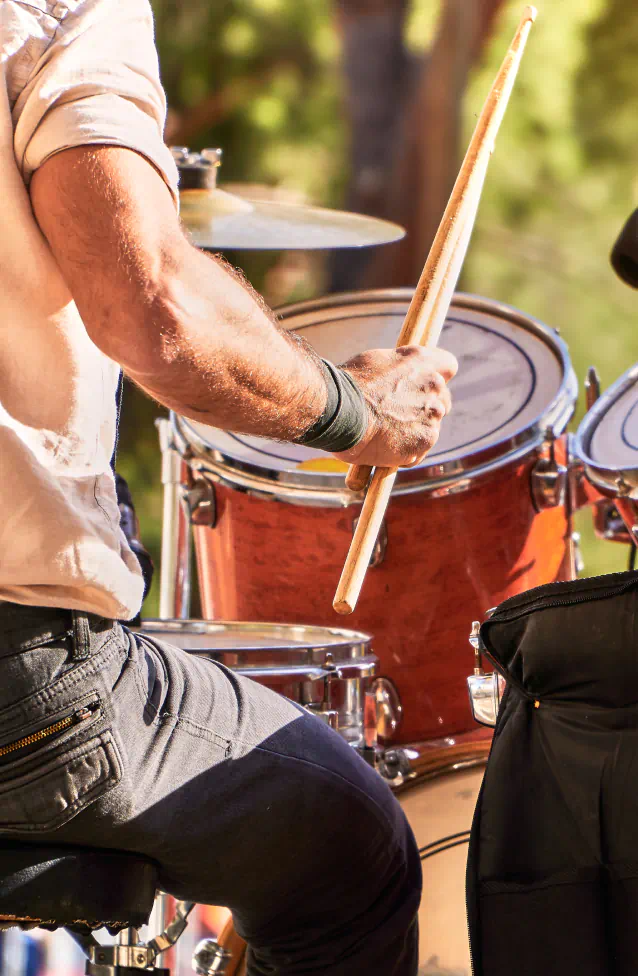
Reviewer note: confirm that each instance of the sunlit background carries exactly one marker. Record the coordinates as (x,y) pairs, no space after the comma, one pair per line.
(368,104)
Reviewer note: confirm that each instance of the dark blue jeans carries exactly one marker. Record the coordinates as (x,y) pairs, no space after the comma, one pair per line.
(243,798)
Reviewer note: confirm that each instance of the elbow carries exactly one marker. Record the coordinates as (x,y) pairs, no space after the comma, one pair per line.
(140,329)
(142,338)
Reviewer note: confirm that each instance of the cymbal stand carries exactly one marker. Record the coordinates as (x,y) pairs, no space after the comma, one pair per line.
(175,575)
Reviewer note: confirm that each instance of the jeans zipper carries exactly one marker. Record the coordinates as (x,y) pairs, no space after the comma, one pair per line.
(75,718)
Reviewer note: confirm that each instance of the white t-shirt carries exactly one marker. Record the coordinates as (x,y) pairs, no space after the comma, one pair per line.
(73,72)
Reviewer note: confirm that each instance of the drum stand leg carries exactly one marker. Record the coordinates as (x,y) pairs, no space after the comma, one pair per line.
(175,575)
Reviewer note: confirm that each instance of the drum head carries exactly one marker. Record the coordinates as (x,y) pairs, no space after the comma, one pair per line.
(440,813)
(513,374)
(607,439)
(322,668)
(243,643)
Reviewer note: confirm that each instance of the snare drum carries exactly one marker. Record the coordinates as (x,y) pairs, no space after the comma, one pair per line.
(328,670)
(483,518)
(606,445)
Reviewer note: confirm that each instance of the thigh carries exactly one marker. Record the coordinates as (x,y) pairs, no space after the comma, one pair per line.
(247,800)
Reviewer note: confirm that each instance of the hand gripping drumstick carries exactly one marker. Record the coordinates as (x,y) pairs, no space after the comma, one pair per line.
(431,301)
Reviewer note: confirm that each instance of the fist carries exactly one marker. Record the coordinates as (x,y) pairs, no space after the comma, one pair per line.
(408,397)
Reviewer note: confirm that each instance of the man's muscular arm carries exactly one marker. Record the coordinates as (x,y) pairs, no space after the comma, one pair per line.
(183,325)
(196,337)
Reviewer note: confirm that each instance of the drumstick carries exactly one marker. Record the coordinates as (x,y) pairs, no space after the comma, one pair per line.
(378,495)
(431,301)
(420,326)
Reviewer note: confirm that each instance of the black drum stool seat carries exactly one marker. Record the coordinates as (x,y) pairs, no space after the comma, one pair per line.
(79,888)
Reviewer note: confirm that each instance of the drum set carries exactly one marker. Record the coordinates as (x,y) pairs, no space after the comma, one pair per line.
(488,514)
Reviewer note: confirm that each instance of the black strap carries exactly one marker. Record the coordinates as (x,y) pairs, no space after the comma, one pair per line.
(119,393)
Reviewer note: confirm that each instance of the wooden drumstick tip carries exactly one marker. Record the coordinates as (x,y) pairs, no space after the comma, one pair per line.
(358,477)
(340,606)
(530,13)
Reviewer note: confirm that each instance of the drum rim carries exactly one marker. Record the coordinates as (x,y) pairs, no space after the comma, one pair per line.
(353,640)
(451,476)
(606,477)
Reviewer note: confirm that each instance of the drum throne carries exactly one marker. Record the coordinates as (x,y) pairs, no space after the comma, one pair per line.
(83,889)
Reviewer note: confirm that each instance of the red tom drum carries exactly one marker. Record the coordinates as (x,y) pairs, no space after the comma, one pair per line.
(482,519)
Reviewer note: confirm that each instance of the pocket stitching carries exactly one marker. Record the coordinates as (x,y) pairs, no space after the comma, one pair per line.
(68,681)
(199,731)
(104,741)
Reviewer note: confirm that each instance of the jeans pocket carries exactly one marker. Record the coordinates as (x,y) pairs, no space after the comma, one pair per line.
(51,792)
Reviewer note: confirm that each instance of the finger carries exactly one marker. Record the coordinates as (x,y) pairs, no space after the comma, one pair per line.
(436,407)
(444,362)
(446,397)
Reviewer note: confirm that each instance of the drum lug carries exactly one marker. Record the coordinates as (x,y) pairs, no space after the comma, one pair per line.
(592,387)
(324,709)
(382,711)
(609,524)
(577,554)
(548,478)
(485,690)
(395,767)
(380,546)
(199,502)
(327,715)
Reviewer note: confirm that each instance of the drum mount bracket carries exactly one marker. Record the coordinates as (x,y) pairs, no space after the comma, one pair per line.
(198,499)
(548,478)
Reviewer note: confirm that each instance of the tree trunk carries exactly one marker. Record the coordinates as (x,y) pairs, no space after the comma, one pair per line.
(405,169)
(378,74)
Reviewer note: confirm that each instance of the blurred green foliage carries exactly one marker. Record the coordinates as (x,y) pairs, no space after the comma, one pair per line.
(261,78)
(561,184)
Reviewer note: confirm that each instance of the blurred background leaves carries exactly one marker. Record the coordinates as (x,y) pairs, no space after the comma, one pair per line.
(368,104)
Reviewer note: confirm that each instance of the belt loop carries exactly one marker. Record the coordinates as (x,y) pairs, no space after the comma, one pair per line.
(81,636)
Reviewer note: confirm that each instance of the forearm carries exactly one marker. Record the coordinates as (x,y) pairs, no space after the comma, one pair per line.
(213,352)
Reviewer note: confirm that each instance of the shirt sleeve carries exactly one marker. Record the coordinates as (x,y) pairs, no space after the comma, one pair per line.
(97,84)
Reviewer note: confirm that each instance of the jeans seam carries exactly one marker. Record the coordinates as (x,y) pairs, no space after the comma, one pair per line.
(68,682)
(160,717)
(197,731)
(34,643)
(180,722)
(149,710)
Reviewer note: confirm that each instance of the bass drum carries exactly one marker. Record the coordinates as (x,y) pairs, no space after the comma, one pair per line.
(440,813)
(482,519)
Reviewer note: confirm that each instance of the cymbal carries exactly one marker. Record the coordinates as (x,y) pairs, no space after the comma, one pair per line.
(219,221)
(222,221)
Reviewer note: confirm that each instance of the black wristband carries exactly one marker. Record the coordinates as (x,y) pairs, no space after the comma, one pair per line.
(344,420)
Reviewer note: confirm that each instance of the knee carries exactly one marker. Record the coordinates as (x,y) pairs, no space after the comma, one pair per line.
(379,851)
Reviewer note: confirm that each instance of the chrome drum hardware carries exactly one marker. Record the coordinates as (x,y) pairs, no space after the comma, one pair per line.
(328,670)
(486,690)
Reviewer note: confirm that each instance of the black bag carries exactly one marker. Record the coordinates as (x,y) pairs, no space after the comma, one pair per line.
(552,882)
